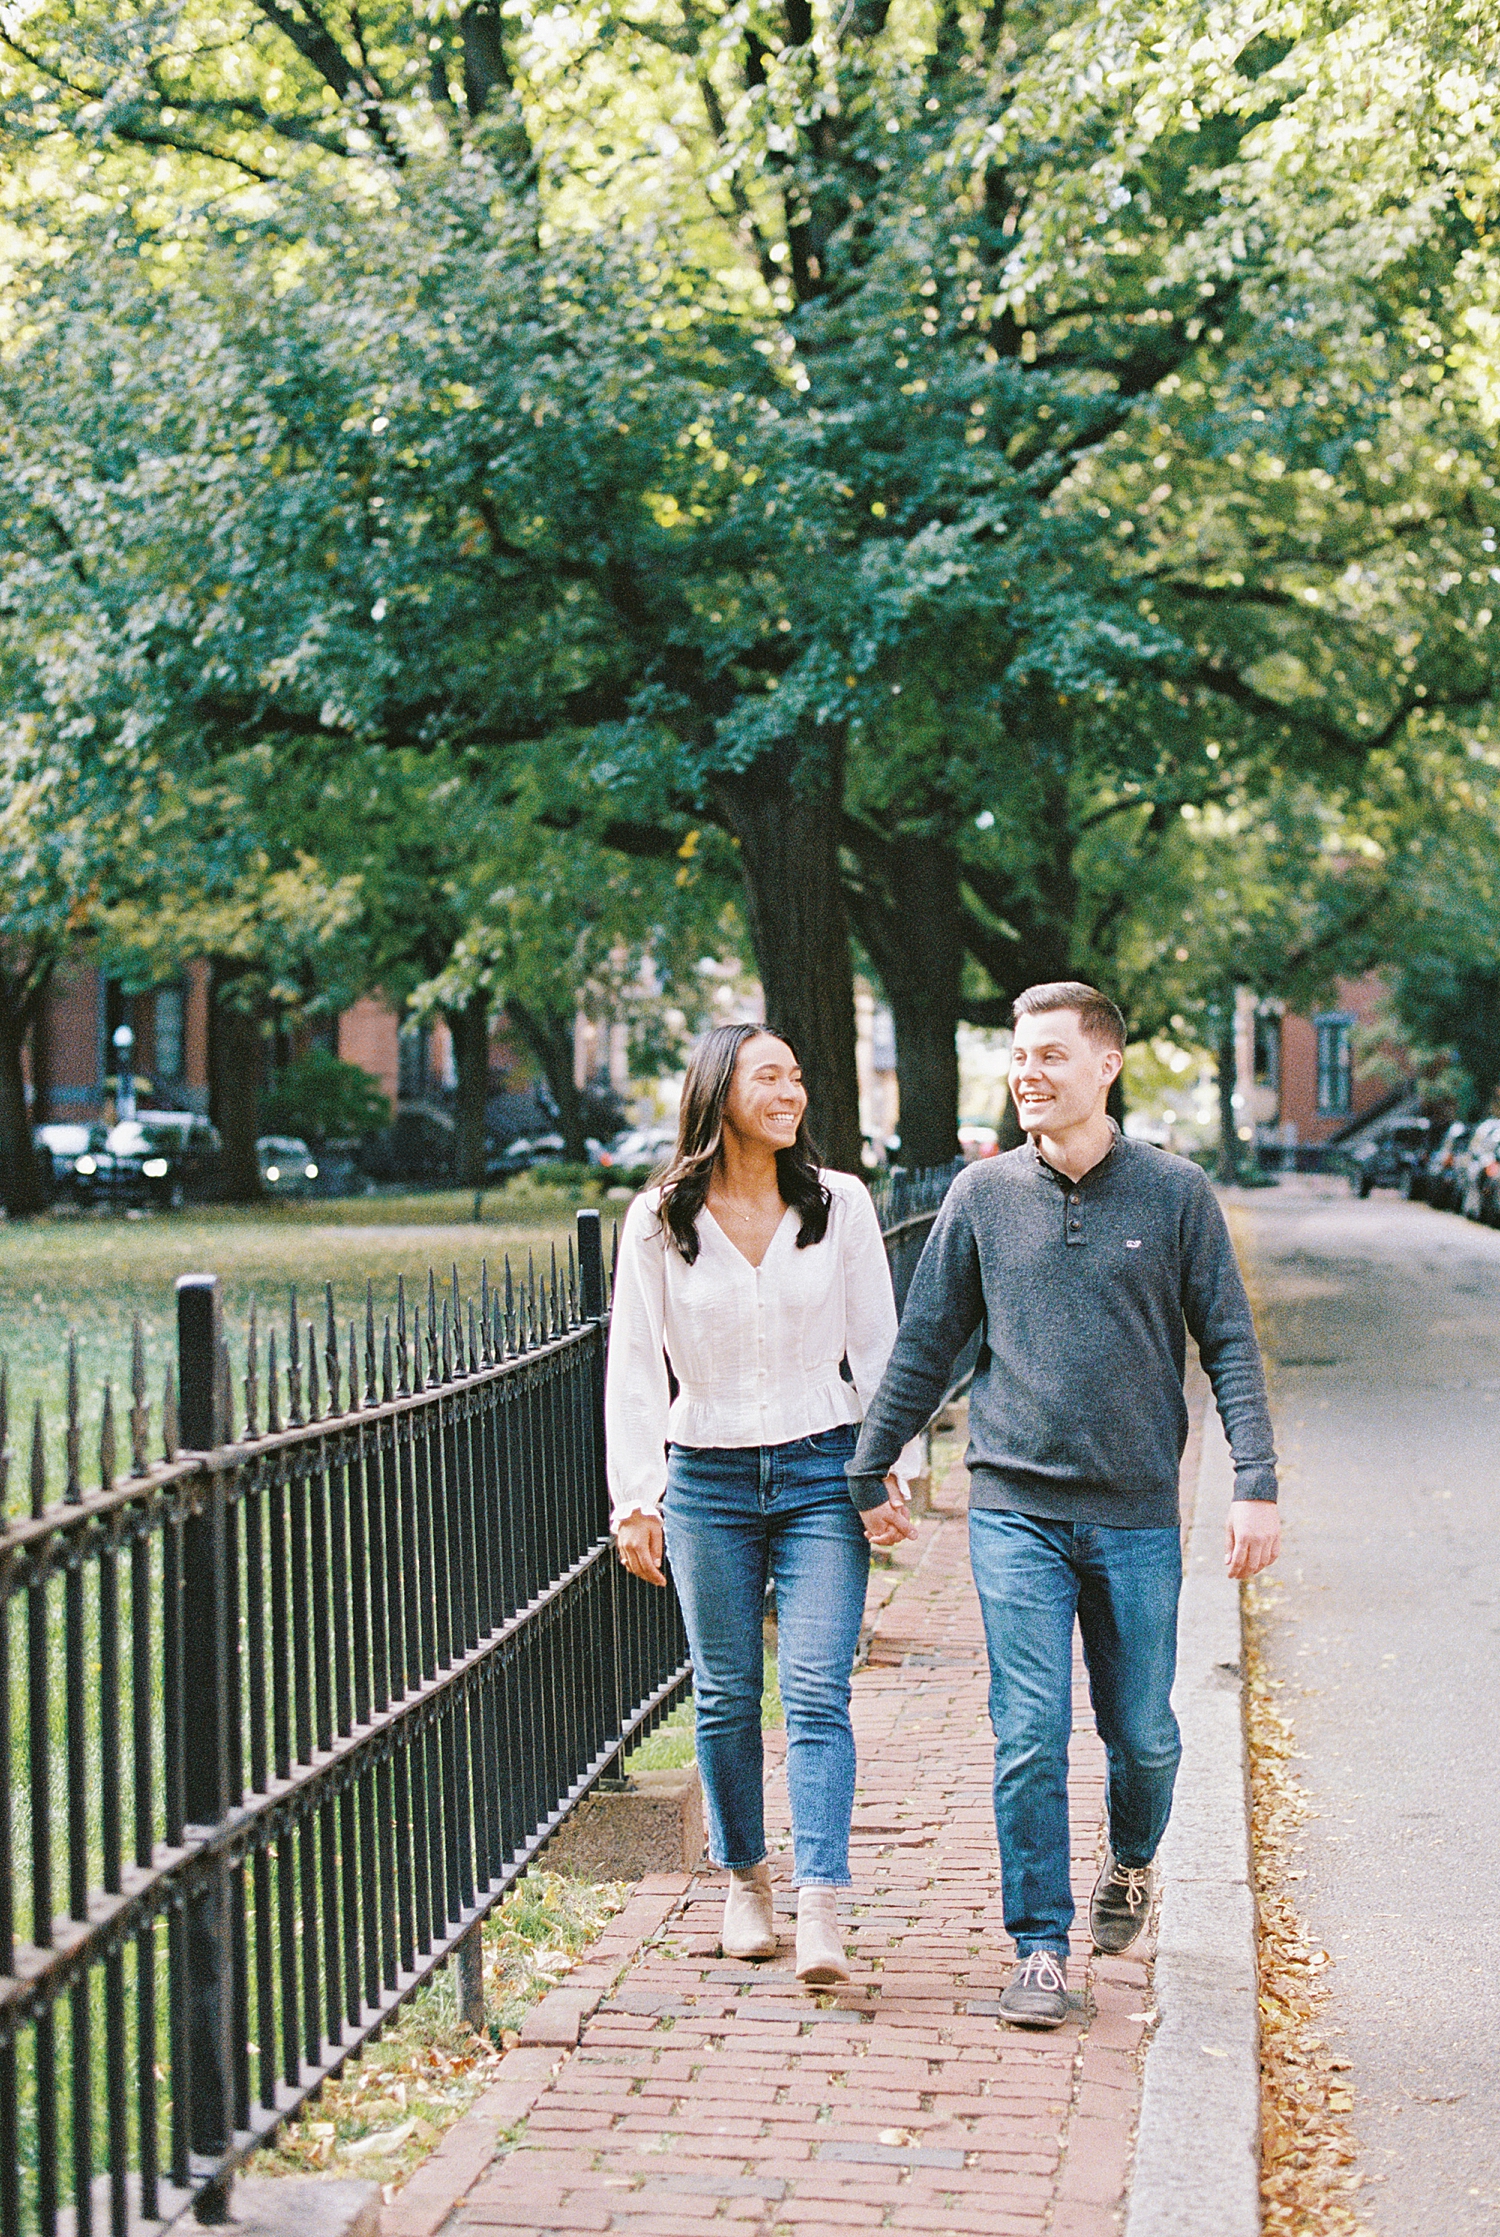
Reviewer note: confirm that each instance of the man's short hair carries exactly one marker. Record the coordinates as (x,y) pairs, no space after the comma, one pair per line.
(1100,1019)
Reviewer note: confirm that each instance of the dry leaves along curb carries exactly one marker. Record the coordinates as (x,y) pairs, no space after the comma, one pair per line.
(1308,2178)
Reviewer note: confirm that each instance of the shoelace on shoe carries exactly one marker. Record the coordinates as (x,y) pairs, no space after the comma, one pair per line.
(1040,1970)
(1135,1879)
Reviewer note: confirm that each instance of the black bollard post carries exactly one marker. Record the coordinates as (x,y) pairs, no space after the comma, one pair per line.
(207,1648)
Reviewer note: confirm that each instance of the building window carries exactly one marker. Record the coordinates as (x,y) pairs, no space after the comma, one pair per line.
(1334,1066)
(1268,1050)
(412,1047)
(169,1012)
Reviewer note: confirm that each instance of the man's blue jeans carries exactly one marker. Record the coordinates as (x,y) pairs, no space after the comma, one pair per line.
(736,1515)
(1033,1577)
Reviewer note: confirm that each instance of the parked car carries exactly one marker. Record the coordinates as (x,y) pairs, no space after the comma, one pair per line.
(339,1171)
(1480,1196)
(60,1147)
(287,1165)
(160,1158)
(520,1156)
(636,1148)
(1384,1160)
(1442,1176)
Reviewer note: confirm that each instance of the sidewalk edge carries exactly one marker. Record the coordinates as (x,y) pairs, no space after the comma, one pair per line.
(1197,2156)
(436,2189)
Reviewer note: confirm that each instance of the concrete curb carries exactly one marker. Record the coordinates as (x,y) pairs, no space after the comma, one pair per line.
(1197,2157)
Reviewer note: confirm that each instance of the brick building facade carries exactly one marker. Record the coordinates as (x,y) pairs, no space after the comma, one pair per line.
(71,1062)
(1307,1079)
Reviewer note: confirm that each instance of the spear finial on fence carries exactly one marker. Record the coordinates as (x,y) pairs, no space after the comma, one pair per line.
(293,1360)
(458,1327)
(314,1409)
(252,1377)
(554,1310)
(496,1337)
(273,1392)
(510,1307)
(107,1441)
(369,1343)
(473,1340)
(484,1312)
(140,1410)
(432,1336)
(38,1462)
(73,1446)
(418,1370)
(403,1355)
(531,1320)
(331,1352)
(387,1376)
(226,1390)
(447,1341)
(169,1416)
(353,1368)
(572,1285)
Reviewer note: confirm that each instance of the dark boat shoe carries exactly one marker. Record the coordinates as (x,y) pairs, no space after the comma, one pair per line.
(1121,1904)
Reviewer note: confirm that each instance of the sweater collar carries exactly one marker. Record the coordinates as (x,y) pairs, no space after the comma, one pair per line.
(1066,1180)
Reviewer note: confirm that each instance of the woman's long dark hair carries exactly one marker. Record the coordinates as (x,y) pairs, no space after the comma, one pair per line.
(684,1179)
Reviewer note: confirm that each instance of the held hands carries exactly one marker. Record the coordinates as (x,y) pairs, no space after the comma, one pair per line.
(1252,1536)
(888,1525)
(640,1541)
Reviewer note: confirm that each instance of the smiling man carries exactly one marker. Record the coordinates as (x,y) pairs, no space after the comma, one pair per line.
(1083,1257)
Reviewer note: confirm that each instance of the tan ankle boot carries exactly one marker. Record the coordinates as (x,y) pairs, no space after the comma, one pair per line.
(749,1919)
(821,1962)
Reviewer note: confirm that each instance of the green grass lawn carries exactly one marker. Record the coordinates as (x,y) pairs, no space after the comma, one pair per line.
(90,1275)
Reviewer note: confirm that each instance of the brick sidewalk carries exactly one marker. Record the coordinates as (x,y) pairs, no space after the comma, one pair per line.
(704,2093)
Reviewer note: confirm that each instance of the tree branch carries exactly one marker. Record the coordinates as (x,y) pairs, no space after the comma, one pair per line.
(317,46)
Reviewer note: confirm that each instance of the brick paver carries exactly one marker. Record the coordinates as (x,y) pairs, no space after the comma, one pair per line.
(707,2096)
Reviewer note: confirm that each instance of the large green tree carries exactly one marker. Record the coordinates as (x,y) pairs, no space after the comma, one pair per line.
(820,516)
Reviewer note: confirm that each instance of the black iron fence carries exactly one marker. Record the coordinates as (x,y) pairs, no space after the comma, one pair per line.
(285,1710)
(907,1204)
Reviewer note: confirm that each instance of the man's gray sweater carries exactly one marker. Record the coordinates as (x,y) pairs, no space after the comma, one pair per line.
(1082,1290)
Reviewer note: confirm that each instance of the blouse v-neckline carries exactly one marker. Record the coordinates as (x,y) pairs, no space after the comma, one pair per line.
(754,1264)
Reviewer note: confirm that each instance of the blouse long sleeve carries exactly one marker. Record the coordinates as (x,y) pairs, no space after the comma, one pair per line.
(870,1317)
(637,1398)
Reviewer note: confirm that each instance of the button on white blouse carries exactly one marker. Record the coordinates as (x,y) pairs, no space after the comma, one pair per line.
(755,1349)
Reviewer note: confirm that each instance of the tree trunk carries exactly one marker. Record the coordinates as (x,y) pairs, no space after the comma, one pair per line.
(908,911)
(470,1028)
(23,1184)
(794,904)
(550,1040)
(235,1056)
(1229,1139)
(41,1065)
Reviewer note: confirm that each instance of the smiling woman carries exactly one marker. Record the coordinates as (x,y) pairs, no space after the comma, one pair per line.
(754,1276)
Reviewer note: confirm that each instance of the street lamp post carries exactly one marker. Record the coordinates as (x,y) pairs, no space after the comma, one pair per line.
(124,1043)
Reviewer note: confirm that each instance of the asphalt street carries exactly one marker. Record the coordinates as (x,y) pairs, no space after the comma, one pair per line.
(1381,1326)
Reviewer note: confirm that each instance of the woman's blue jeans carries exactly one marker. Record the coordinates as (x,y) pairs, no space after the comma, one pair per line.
(736,1516)
(1033,1577)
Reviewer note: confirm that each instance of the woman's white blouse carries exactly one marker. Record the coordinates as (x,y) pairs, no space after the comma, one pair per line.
(755,1349)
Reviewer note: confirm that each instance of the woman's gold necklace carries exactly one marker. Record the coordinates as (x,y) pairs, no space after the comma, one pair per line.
(733,1209)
